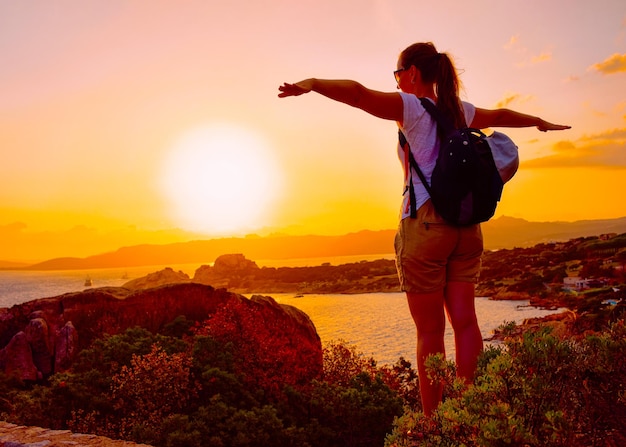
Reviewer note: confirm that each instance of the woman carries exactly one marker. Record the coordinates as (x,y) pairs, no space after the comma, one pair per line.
(438,264)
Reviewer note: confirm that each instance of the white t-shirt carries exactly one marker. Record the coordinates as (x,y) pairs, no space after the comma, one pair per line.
(420,130)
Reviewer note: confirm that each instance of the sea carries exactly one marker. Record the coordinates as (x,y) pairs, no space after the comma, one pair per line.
(378,325)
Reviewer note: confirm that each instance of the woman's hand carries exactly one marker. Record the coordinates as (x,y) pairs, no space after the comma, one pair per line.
(296,89)
(545,126)
(388,106)
(485,118)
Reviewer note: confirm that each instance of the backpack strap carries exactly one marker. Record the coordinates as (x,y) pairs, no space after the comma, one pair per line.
(442,120)
(404,144)
(444,123)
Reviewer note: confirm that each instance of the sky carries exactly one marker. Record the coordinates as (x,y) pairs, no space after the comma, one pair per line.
(149,121)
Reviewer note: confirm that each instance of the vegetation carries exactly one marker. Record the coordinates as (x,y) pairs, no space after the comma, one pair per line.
(198,386)
(540,270)
(231,382)
(355,277)
(518,273)
(536,390)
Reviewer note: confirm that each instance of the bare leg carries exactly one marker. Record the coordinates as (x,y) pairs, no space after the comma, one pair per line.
(427,310)
(459,299)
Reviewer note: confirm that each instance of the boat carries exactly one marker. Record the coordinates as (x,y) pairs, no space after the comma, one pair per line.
(88,282)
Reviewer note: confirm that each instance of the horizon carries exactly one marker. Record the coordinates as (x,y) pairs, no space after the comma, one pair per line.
(154,123)
(503,232)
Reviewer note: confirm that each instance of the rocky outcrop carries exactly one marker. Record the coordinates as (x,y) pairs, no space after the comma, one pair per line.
(227,270)
(560,325)
(238,274)
(160,278)
(43,336)
(66,347)
(38,338)
(17,358)
(12,435)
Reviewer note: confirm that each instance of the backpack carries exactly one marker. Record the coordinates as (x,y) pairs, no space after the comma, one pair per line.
(469,174)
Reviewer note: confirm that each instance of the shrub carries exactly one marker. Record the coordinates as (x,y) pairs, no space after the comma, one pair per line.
(537,390)
(357,415)
(154,386)
(197,390)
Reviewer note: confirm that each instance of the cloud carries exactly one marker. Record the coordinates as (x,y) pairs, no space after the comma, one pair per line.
(564,147)
(609,135)
(605,150)
(511,98)
(543,57)
(512,42)
(527,55)
(615,63)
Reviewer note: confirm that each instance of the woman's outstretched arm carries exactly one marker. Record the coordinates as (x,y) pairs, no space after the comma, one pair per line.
(509,118)
(380,104)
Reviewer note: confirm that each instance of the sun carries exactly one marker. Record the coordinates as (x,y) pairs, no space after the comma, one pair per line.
(220,179)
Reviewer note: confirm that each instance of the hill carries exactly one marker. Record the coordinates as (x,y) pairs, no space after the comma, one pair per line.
(10,265)
(503,232)
(509,232)
(206,251)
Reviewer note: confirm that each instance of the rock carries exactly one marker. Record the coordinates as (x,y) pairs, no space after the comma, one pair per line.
(206,275)
(39,341)
(66,347)
(295,324)
(17,358)
(226,271)
(559,323)
(234,263)
(68,323)
(12,435)
(160,278)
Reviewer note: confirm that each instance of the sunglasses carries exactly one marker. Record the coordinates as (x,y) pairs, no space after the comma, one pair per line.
(396,74)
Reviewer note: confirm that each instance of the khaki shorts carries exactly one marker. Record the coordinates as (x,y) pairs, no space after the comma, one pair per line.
(430,252)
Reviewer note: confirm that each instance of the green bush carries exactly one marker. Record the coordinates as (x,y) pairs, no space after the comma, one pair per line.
(357,415)
(183,389)
(536,390)
(189,388)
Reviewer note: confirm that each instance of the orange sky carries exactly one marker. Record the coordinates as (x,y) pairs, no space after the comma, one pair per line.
(157,121)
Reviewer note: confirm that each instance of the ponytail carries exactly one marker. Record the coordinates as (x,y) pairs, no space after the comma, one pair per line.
(447,90)
(437,68)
